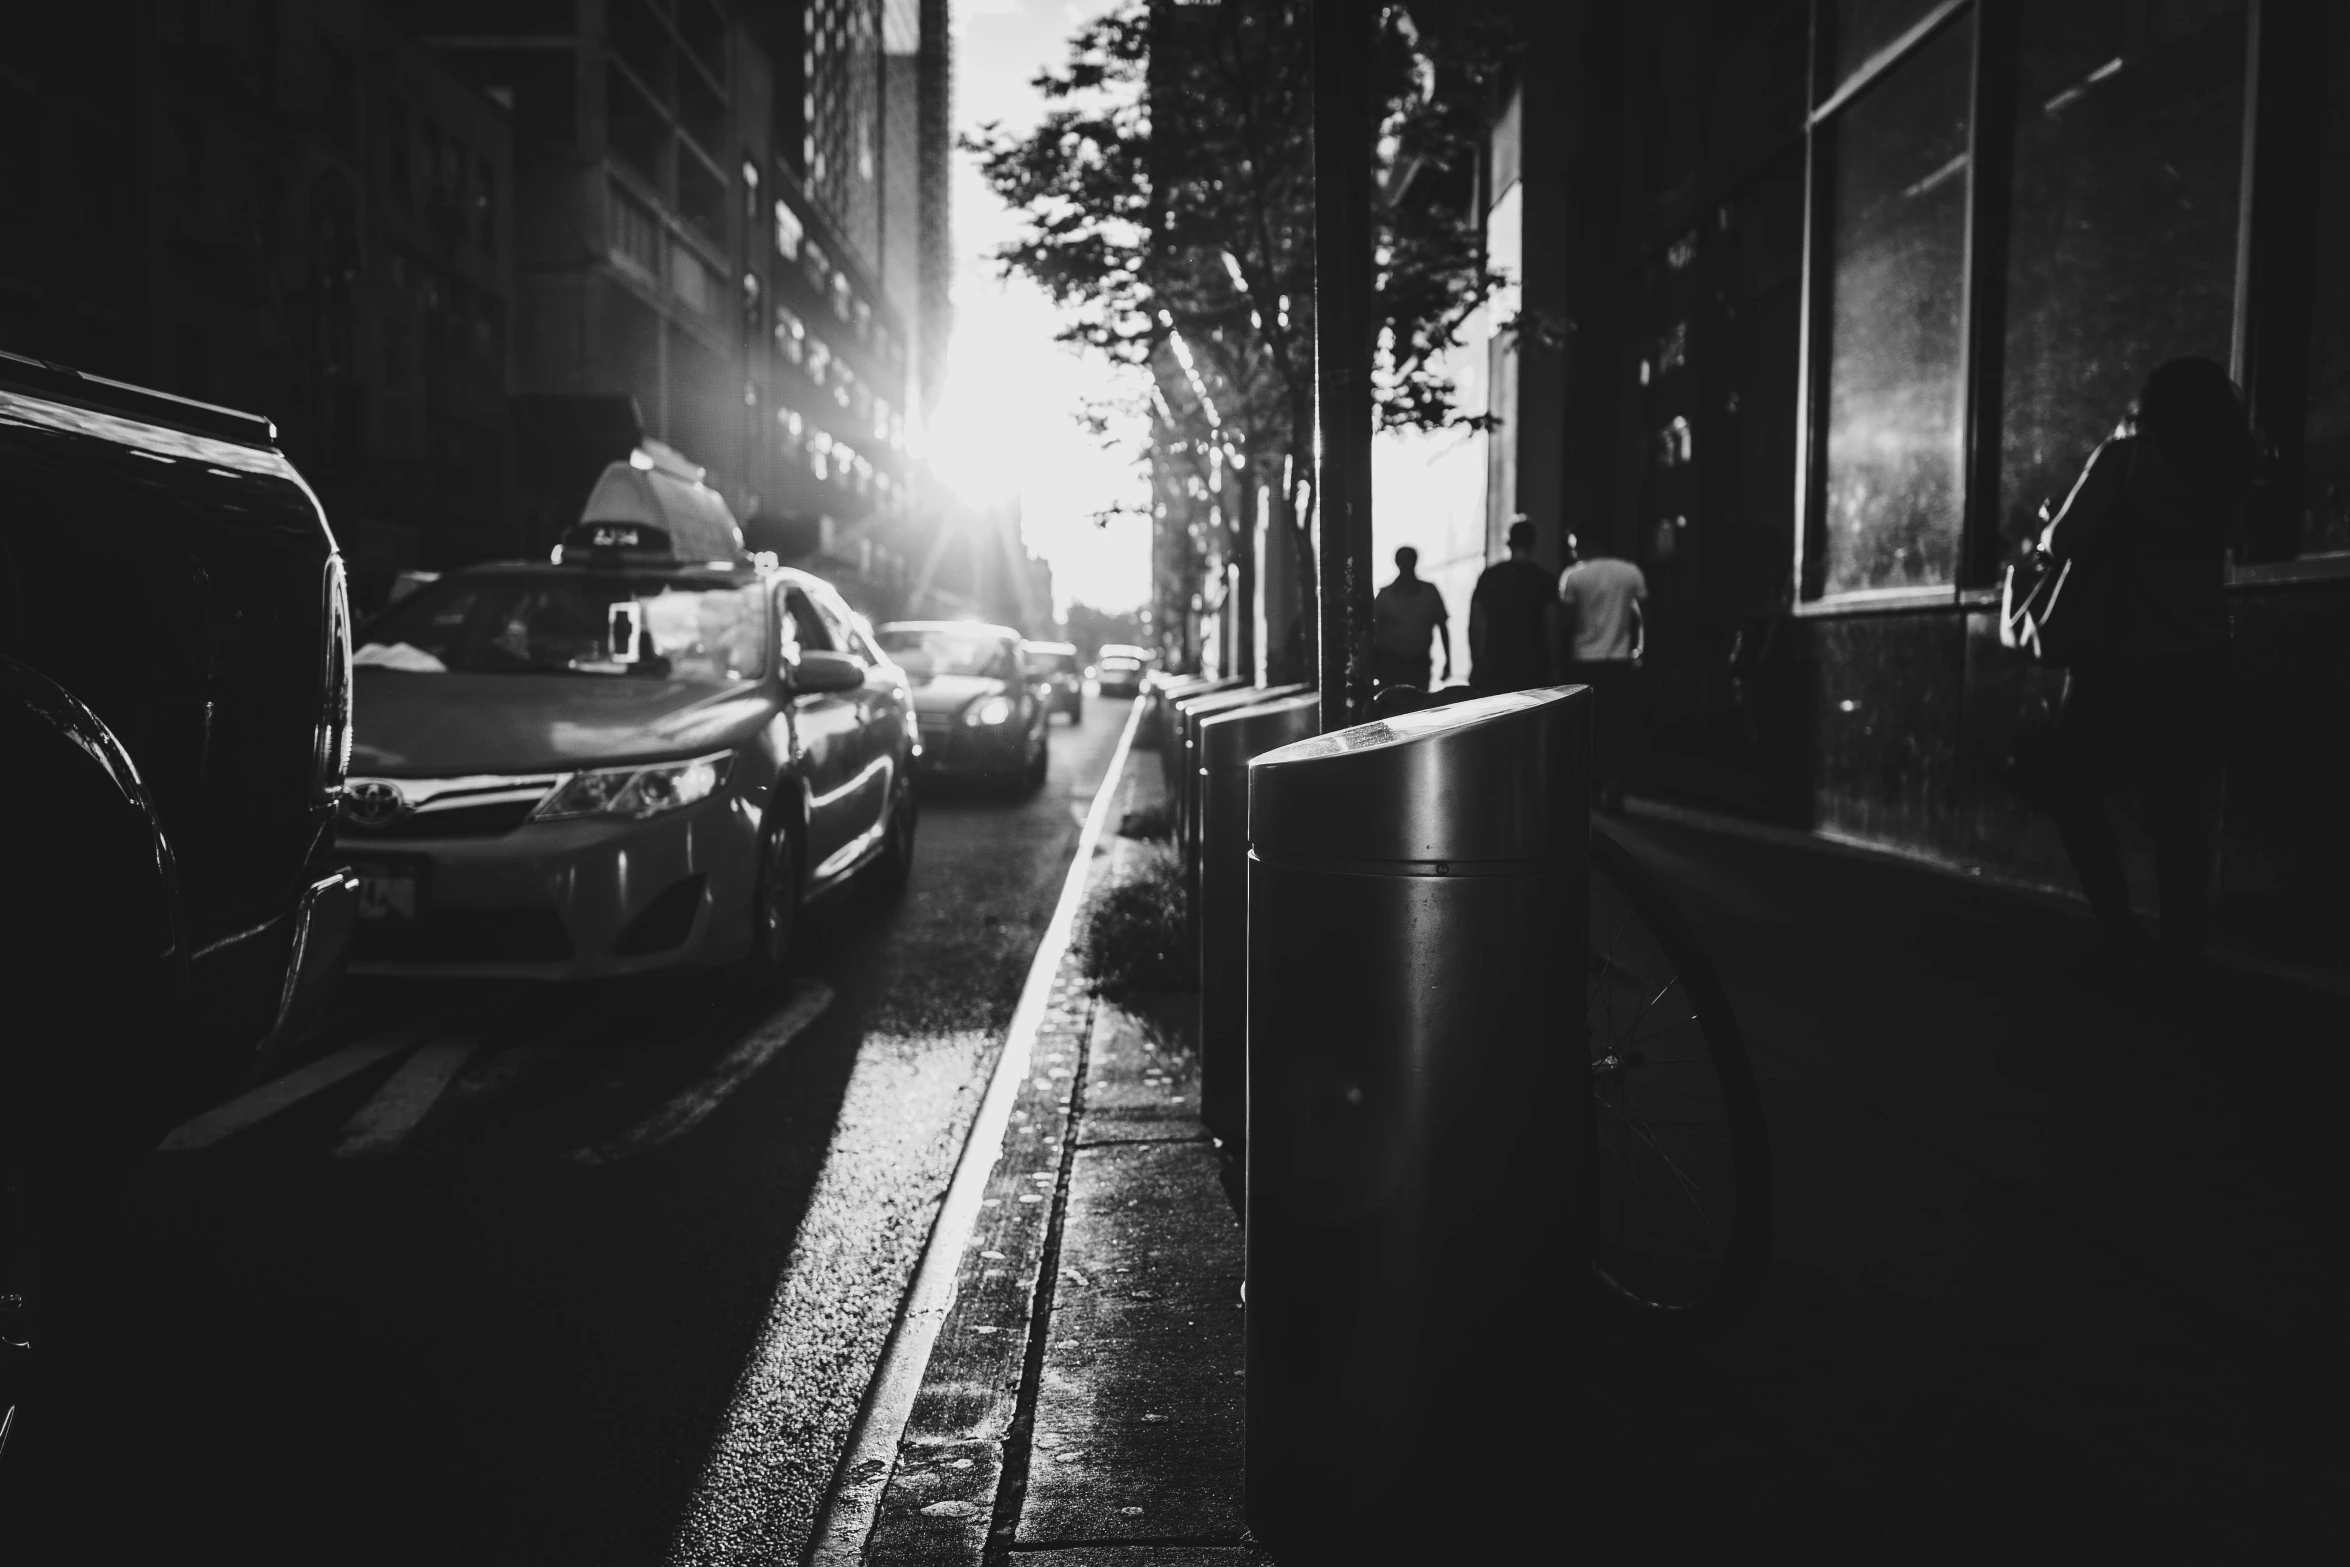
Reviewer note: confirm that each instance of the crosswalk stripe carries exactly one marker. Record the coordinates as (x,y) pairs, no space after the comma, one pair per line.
(257,1105)
(690,1107)
(407,1096)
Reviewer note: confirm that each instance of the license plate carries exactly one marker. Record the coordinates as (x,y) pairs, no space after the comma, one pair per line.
(390,889)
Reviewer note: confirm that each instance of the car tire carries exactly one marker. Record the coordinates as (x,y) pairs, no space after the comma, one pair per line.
(896,865)
(775,903)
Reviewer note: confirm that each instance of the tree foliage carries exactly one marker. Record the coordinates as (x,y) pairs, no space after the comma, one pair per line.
(1167,202)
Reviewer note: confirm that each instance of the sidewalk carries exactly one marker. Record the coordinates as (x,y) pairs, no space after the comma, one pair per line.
(2059,1267)
(1105,1427)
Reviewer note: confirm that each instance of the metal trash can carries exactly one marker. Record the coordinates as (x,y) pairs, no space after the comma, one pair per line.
(1227,742)
(1157,717)
(1183,776)
(1419,1101)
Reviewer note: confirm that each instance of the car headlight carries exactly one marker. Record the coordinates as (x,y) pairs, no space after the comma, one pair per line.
(993,710)
(635,792)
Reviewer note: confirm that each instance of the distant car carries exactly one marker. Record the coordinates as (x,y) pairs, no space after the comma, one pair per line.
(1119,669)
(175,704)
(616,763)
(979,709)
(1056,663)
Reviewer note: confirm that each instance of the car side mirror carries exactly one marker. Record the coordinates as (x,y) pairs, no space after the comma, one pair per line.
(818,672)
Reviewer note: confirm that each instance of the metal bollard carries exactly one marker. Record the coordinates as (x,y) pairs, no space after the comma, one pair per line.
(1227,741)
(1418,1119)
(1190,713)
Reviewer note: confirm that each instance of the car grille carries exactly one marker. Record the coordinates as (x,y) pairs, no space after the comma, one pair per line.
(934,727)
(483,805)
(460,821)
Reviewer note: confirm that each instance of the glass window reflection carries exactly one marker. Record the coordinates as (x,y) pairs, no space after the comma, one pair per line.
(1897,180)
(2128,161)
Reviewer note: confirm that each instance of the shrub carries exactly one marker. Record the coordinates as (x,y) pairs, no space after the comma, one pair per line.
(1131,937)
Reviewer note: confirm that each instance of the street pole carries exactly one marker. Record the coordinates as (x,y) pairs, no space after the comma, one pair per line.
(1343,315)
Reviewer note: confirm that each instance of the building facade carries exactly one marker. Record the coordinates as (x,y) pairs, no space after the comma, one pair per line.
(1852,288)
(293,210)
(702,241)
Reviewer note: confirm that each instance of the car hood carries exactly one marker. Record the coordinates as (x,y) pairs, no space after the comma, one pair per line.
(951,693)
(424,726)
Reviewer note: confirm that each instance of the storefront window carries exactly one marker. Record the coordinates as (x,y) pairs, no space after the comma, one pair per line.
(1896,177)
(1863,29)
(2325,514)
(2129,125)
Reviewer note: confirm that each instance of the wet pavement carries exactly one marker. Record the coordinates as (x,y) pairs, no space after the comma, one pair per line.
(515,1274)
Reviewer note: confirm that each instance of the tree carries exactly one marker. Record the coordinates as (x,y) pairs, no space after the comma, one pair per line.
(1167,199)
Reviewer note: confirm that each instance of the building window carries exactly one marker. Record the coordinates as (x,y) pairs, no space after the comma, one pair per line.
(790,336)
(636,234)
(690,279)
(2128,160)
(788,232)
(751,317)
(817,266)
(1894,171)
(820,454)
(819,359)
(842,379)
(841,295)
(864,313)
(485,208)
(2325,434)
(881,419)
(792,429)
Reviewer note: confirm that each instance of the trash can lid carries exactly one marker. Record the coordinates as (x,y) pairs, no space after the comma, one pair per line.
(1224,691)
(1500,778)
(1195,710)
(1231,739)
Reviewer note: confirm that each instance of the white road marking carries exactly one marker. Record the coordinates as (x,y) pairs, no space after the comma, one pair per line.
(846,1523)
(692,1106)
(384,1122)
(257,1105)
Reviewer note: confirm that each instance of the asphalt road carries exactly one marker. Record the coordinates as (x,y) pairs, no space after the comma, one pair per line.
(584,1275)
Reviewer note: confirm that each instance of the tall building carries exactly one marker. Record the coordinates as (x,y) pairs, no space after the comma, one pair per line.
(701,234)
(290,209)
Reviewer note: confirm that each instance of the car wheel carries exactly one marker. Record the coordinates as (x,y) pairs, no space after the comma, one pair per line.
(775,903)
(897,841)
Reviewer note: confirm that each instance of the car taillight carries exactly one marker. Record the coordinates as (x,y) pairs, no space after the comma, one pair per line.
(331,754)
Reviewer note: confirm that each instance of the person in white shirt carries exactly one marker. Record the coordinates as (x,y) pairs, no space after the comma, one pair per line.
(1604,601)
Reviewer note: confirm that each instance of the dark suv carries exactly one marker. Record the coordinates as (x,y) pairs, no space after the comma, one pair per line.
(175,704)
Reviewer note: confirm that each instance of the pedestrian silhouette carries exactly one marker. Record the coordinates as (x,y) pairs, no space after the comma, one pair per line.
(1507,651)
(1607,631)
(1403,617)
(2146,529)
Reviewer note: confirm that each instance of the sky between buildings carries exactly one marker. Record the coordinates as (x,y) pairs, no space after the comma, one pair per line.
(1007,418)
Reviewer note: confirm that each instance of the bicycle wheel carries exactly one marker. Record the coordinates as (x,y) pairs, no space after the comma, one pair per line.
(1681,1181)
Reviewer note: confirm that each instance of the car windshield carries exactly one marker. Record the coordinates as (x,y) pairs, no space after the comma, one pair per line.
(674,627)
(939,651)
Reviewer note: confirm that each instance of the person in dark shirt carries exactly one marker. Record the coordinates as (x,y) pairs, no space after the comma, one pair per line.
(1507,646)
(2149,520)
(1404,615)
